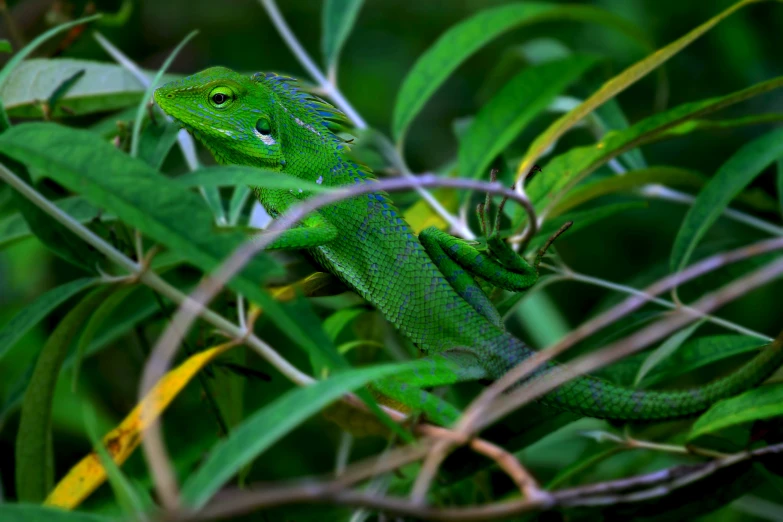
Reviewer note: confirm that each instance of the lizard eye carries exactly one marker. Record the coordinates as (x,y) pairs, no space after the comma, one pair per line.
(220,97)
(264,126)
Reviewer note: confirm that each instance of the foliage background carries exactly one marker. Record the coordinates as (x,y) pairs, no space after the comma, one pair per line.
(387,39)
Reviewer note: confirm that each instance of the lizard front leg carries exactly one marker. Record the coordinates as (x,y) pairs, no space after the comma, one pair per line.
(313,231)
(497,263)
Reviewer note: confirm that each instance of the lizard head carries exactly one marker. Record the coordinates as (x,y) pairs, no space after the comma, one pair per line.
(264,120)
(229,114)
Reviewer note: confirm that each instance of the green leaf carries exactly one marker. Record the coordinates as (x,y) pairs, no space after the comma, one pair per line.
(755,119)
(156,141)
(780,183)
(665,350)
(238,200)
(160,208)
(63,88)
(32,314)
(335,323)
(609,117)
(581,219)
(268,425)
(339,17)
(505,116)
(104,87)
(701,352)
(764,402)
(731,178)
(134,148)
(23,53)
(5,46)
(615,86)
(96,321)
(539,315)
(569,168)
(324,357)
(664,175)
(127,496)
(37,513)
(34,468)
(139,306)
(467,37)
(51,233)
(233,175)
(585,463)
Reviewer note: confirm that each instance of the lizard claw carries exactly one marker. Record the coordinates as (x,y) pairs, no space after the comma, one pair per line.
(549,242)
(482,208)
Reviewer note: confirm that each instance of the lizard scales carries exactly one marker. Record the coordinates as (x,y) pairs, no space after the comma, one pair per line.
(423,285)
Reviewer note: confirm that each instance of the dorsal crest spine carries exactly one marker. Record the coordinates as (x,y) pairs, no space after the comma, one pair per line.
(323,112)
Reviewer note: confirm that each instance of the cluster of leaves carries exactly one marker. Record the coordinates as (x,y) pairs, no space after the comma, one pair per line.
(124,204)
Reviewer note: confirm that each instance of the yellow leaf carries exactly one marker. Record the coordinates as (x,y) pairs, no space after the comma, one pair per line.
(89,473)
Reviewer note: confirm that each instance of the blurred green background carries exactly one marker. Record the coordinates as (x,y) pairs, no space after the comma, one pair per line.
(388,38)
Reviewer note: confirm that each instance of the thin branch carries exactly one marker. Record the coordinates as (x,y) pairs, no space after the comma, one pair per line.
(668,194)
(343,453)
(628,442)
(569,274)
(648,486)
(527,484)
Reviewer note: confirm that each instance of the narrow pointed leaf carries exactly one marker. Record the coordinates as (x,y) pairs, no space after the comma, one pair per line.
(156,141)
(505,116)
(764,402)
(732,177)
(23,53)
(34,470)
(779,178)
(128,497)
(666,348)
(339,17)
(458,43)
(141,109)
(567,169)
(701,352)
(36,513)
(664,175)
(33,313)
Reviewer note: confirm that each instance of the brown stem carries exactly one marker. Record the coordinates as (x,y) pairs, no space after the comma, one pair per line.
(627,490)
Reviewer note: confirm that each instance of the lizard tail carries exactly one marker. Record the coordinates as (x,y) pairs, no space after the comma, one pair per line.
(599,398)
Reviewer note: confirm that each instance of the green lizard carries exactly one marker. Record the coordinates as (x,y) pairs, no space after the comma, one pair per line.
(423,285)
